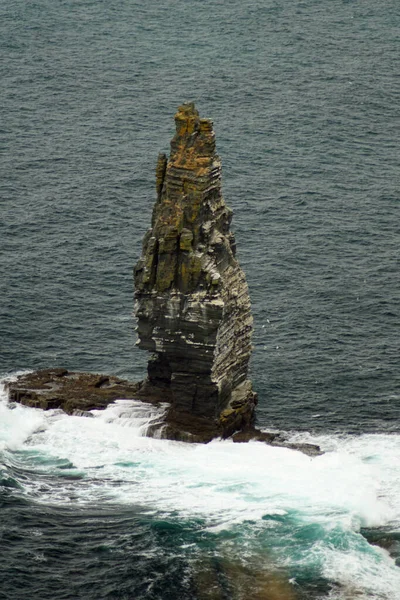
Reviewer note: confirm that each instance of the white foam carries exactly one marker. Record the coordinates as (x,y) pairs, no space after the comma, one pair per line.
(362,575)
(355,483)
(379,455)
(18,424)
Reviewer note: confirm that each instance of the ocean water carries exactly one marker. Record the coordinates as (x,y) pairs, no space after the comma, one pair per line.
(304,95)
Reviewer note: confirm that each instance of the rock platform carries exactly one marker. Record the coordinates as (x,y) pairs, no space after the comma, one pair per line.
(79,393)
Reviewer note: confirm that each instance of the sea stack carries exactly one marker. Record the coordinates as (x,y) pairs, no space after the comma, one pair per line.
(193,313)
(192,300)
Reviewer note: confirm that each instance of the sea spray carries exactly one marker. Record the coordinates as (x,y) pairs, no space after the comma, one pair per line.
(304,513)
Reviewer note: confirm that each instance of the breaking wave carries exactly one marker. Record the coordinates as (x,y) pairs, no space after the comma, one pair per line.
(306,513)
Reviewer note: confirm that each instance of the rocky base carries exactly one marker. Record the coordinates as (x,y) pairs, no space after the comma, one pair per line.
(78,393)
(72,392)
(274,439)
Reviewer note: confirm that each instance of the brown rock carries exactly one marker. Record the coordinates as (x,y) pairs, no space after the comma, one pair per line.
(193,306)
(59,388)
(252,434)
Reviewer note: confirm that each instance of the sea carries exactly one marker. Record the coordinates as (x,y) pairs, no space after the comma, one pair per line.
(305,97)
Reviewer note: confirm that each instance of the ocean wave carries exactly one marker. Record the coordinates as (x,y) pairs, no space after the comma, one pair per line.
(306,511)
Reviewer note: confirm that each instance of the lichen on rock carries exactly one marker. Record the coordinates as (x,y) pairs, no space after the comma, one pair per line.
(192,301)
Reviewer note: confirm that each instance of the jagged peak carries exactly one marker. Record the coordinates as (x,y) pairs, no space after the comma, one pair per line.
(193,146)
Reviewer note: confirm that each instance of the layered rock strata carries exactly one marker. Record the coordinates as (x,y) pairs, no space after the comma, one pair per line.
(192,300)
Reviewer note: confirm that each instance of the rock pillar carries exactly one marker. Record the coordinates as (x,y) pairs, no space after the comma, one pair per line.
(192,300)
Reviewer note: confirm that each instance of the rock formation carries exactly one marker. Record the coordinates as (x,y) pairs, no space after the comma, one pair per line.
(193,305)
(193,311)
(72,392)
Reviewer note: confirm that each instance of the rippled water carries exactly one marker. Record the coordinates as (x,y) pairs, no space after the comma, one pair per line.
(304,96)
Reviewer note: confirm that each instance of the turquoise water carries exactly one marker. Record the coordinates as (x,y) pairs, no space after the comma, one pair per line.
(132,516)
(304,97)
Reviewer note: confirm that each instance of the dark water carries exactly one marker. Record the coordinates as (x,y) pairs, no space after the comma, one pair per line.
(64,553)
(305,100)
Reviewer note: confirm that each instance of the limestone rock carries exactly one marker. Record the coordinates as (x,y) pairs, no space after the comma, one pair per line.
(192,300)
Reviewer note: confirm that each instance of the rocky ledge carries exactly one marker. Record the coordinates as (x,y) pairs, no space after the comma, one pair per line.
(192,307)
(79,393)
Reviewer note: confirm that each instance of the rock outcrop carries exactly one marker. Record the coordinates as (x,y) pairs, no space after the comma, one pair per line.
(193,305)
(80,393)
(193,311)
(68,390)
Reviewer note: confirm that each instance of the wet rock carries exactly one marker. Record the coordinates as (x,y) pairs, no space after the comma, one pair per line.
(309,449)
(253,434)
(79,393)
(274,439)
(75,393)
(192,300)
